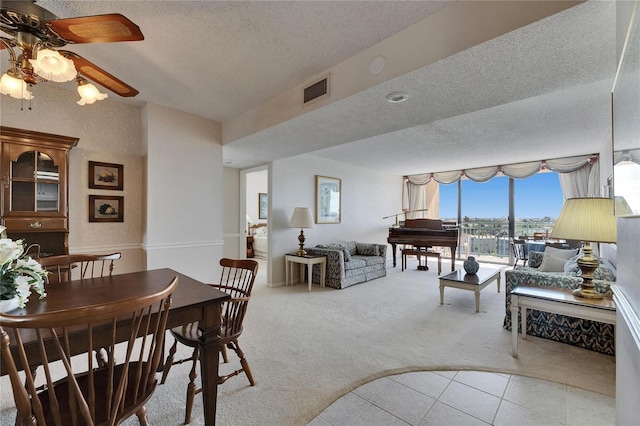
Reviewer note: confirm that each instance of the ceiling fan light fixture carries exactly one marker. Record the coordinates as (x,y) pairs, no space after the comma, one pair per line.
(51,65)
(88,92)
(11,84)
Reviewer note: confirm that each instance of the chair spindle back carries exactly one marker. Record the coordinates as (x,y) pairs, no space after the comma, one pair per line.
(80,391)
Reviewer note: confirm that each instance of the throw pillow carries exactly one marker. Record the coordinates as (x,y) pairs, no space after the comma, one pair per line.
(552,264)
(604,272)
(535,259)
(365,249)
(345,250)
(565,254)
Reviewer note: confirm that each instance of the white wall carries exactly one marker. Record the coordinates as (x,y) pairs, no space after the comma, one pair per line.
(182,226)
(367,196)
(108,132)
(628,322)
(234,239)
(184,214)
(256,182)
(628,286)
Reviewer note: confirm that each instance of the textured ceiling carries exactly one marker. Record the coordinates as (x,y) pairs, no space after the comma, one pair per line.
(537,92)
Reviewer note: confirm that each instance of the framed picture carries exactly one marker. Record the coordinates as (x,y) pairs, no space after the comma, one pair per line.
(263,205)
(328,199)
(106,176)
(106,208)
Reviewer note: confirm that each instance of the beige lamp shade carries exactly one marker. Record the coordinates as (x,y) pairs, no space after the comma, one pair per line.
(586,219)
(301,218)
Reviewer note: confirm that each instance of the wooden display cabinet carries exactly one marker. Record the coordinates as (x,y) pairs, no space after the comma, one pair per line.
(35,188)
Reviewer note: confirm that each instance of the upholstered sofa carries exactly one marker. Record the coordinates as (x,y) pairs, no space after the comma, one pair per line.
(586,334)
(350,263)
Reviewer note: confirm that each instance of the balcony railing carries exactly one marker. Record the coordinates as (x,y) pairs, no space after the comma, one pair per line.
(489,240)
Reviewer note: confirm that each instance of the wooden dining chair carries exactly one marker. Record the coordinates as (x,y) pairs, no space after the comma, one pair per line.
(76,391)
(62,268)
(519,252)
(237,280)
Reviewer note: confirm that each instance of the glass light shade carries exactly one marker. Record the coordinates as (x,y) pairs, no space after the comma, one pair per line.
(301,218)
(89,93)
(51,65)
(14,87)
(622,208)
(586,219)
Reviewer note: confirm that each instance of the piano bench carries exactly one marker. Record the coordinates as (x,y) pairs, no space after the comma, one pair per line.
(419,254)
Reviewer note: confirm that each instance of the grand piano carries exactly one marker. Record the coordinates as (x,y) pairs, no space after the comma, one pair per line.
(423,233)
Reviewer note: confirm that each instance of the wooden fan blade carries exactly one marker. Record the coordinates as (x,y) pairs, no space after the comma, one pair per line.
(98,75)
(97,29)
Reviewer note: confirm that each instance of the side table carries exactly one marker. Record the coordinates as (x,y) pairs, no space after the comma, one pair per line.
(309,261)
(250,252)
(556,301)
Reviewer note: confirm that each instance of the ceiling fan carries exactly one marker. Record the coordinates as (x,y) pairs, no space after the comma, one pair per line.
(37,36)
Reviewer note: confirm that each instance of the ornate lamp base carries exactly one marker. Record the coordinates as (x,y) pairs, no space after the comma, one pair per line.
(302,251)
(588,264)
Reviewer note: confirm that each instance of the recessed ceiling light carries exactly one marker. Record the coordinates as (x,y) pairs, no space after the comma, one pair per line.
(397,97)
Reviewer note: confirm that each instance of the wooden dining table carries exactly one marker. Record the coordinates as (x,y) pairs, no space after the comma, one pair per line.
(191,301)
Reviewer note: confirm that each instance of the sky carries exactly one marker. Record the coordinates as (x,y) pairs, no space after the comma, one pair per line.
(535,197)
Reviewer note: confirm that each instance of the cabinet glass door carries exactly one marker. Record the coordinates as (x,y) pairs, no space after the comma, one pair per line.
(35,185)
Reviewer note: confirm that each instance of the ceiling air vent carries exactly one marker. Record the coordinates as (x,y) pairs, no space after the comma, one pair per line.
(317,90)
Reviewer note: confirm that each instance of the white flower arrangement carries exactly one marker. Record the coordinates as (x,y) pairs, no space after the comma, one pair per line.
(18,275)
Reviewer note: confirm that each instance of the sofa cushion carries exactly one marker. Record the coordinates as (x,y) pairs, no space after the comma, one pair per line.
(370,260)
(366,249)
(355,263)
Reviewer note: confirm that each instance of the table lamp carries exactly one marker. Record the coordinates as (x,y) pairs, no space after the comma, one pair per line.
(588,220)
(301,218)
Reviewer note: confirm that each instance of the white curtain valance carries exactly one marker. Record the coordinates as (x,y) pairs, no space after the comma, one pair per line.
(518,170)
(522,170)
(481,174)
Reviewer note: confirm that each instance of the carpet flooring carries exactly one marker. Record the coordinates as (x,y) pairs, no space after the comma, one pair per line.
(309,348)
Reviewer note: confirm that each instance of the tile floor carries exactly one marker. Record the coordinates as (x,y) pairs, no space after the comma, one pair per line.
(467,398)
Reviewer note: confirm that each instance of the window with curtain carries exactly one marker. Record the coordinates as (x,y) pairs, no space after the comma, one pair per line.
(484,227)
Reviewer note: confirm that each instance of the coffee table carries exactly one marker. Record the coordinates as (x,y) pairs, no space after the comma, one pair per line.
(460,279)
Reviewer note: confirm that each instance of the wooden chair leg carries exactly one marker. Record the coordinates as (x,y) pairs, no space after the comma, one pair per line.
(191,388)
(223,350)
(169,361)
(142,416)
(243,362)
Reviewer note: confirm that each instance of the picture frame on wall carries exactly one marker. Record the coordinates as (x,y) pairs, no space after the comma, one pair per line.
(106,208)
(106,176)
(263,205)
(328,199)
